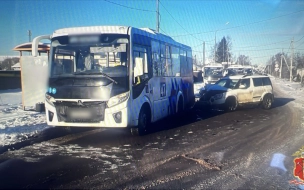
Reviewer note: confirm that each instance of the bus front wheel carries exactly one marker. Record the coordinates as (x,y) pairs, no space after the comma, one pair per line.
(143,122)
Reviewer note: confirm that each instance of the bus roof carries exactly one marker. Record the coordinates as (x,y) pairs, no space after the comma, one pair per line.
(91,30)
(117,30)
(236,66)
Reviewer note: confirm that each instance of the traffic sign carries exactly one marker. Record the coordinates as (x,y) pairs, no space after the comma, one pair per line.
(276,69)
(276,65)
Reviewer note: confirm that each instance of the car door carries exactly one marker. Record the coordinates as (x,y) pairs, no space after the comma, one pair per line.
(244,91)
(258,89)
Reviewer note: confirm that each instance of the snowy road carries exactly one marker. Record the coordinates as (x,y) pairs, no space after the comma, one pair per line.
(249,148)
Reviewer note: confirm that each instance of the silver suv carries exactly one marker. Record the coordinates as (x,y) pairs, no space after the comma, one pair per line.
(230,92)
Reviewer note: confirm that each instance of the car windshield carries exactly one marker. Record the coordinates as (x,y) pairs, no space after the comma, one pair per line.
(72,58)
(227,83)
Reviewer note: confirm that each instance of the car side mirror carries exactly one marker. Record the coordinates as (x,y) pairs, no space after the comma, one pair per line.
(242,86)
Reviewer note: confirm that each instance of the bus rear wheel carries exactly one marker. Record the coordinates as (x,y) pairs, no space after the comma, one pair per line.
(180,106)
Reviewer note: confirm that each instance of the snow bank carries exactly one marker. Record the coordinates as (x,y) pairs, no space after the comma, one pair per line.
(17,125)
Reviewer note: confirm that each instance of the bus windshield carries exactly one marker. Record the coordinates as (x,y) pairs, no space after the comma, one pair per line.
(213,71)
(89,56)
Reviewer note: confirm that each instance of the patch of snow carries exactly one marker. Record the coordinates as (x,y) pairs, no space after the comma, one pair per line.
(17,125)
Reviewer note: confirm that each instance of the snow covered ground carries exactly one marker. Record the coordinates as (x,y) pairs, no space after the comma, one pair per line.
(17,125)
(293,89)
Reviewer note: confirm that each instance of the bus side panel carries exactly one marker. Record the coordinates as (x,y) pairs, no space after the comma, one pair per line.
(188,92)
(162,94)
(135,107)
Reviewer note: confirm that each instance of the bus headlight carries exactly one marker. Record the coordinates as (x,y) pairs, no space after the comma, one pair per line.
(118,99)
(50,99)
(209,78)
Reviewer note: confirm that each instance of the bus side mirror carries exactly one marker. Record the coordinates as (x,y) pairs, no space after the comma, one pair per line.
(35,43)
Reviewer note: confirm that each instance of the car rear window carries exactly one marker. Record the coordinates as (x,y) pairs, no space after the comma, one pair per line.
(257,82)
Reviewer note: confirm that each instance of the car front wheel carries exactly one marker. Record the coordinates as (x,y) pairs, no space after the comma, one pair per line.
(230,104)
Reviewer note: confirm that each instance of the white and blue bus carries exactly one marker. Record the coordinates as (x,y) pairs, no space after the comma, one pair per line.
(116,76)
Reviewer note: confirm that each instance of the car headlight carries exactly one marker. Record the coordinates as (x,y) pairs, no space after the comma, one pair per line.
(218,96)
(50,99)
(118,99)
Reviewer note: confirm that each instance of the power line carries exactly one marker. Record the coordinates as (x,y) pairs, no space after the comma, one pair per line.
(257,49)
(164,31)
(256,22)
(299,39)
(260,56)
(288,48)
(129,7)
(202,44)
(177,21)
(264,44)
(299,45)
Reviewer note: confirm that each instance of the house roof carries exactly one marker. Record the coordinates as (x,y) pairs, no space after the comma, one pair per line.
(16,65)
(42,47)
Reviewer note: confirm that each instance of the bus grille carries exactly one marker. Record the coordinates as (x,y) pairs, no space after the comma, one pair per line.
(64,108)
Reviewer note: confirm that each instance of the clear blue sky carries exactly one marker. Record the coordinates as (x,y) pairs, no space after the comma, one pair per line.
(259,40)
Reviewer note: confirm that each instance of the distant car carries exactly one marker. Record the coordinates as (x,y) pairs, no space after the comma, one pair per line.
(230,92)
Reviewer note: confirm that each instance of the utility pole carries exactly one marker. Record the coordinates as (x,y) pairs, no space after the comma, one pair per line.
(223,52)
(30,38)
(228,55)
(157,15)
(214,45)
(291,60)
(30,35)
(204,53)
(281,64)
(195,62)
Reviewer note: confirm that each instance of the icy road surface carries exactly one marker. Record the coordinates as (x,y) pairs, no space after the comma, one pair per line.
(249,148)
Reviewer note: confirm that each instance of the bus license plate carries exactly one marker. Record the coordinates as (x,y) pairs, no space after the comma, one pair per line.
(80,114)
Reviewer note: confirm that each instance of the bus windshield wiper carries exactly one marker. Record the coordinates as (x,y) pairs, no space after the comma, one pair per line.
(97,73)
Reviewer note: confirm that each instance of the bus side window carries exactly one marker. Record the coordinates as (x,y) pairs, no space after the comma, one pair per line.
(138,69)
(140,64)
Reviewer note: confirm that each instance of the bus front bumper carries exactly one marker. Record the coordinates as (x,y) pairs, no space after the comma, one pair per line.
(116,116)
